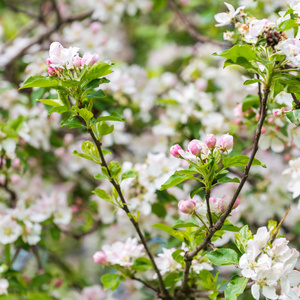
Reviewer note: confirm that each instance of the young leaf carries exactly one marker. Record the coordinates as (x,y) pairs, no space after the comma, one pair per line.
(100,176)
(175,179)
(115,169)
(85,114)
(227,179)
(129,174)
(240,161)
(95,95)
(111,281)
(184,224)
(223,257)
(294,116)
(177,256)
(235,287)
(103,195)
(113,117)
(182,236)
(51,102)
(40,81)
(71,123)
(250,101)
(99,69)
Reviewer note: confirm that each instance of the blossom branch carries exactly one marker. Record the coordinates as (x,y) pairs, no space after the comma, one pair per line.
(190,28)
(296,101)
(46,34)
(207,196)
(145,284)
(218,225)
(164,292)
(13,195)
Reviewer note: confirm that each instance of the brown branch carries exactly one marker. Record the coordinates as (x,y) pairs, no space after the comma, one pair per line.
(13,195)
(279,225)
(46,35)
(191,30)
(207,196)
(56,9)
(188,257)
(78,235)
(164,293)
(145,283)
(296,101)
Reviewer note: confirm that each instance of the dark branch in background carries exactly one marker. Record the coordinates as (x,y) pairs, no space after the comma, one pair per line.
(296,101)
(56,9)
(163,291)
(13,196)
(46,35)
(191,30)
(239,173)
(78,236)
(218,225)
(207,196)
(20,10)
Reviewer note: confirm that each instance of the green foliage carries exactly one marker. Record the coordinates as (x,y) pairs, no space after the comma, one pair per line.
(99,69)
(40,81)
(103,195)
(71,123)
(250,101)
(235,287)
(240,161)
(111,281)
(115,169)
(142,264)
(129,174)
(184,224)
(241,238)
(294,116)
(182,236)
(223,257)
(113,117)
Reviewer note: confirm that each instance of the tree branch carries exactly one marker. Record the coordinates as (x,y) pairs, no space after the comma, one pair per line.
(164,293)
(145,284)
(207,196)
(191,30)
(13,195)
(46,35)
(296,101)
(188,257)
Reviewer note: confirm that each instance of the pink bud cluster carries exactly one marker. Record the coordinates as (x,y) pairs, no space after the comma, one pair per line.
(187,206)
(198,148)
(61,58)
(219,205)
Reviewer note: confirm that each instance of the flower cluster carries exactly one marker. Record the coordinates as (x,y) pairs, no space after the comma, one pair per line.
(119,253)
(198,150)
(270,265)
(61,58)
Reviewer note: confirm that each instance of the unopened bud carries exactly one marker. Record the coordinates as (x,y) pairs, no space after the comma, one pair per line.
(210,141)
(100,257)
(174,150)
(187,206)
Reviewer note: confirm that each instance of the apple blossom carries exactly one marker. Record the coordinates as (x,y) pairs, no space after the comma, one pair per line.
(187,206)
(89,59)
(174,150)
(195,147)
(225,18)
(210,141)
(226,142)
(100,257)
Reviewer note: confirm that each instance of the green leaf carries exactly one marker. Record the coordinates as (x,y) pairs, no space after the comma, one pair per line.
(99,69)
(142,264)
(171,279)
(95,95)
(55,233)
(59,109)
(89,149)
(184,224)
(85,114)
(159,4)
(178,257)
(63,98)
(245,232)
(103,195)
(101,128)
(223,257)
(71,123)
(39,280)
(40,81)
(129,174)
(100,176)
(294,116)
(227,179)
(196,191)
(180,235)
(175,179)
(230,227)
(240,161)
(251,81)
(51,102)
(242,55)
(75,152)
(113,117)
(115,169)
(111,281)
(235,287)
(250,101)
(159,210)
(288,24)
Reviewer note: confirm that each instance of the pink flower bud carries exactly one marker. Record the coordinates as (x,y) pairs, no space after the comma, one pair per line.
(100,258)
(210,141)
(89,59)
(48,61)
(277,112)
(16,163)
(75,209)
(51,71)
(224,202)
(187,206)
(58,282)
(271,119)
(263,130)
(195,147)
(174,150)
(15,178)
(226,142)
(77,61)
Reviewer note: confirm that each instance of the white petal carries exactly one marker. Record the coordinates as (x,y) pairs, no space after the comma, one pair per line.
(269,292)
(264,142)
(277,145)
(255,291)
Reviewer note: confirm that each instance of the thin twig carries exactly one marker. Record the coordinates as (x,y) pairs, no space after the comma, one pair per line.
(279,225)
(207,196)
(13,195)
(191,30)
(145,283)
(164,292)
(296,101)
(218,225)
(46,35)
